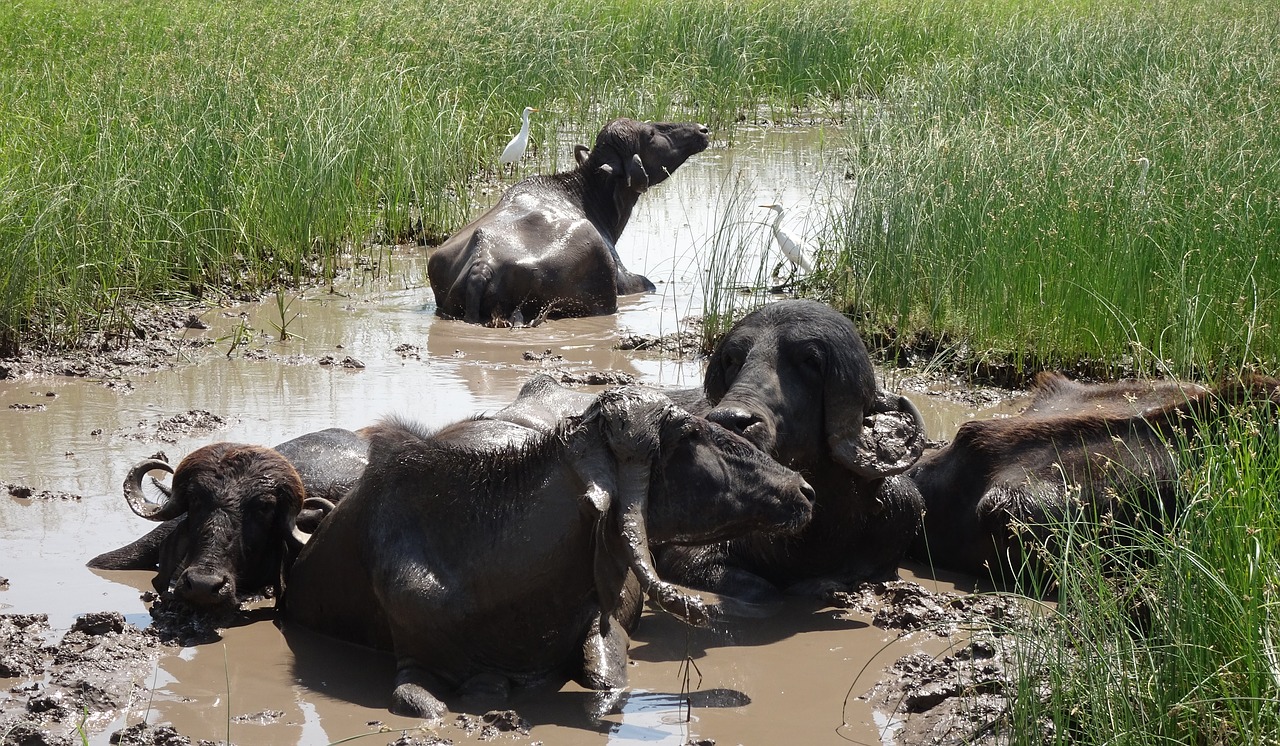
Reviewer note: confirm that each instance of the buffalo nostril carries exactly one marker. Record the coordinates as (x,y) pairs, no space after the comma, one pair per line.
(704,130)
(808,492)
(732,418)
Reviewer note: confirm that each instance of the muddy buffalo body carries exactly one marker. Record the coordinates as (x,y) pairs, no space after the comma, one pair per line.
(232,510)
(794,378)
(547,249)
(490,553)
(1092,455)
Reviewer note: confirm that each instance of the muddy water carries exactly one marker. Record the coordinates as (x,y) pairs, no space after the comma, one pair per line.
(791,679)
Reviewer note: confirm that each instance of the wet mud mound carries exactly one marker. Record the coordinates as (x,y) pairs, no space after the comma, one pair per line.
(75,687)
(959,697)
(144,340)
(171,429)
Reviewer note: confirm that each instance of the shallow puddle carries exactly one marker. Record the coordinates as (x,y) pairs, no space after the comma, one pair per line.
(377,349)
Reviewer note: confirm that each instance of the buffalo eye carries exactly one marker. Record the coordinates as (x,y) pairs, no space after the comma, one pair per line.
(265,506)
(732,363)
(814,357)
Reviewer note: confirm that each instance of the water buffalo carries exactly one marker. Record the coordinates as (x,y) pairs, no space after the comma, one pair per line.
(490,553)
(230,511)
(1104,448)
(547,248)
(794,378)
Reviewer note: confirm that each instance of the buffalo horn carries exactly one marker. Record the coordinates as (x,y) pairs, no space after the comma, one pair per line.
(171,508)
(314,509)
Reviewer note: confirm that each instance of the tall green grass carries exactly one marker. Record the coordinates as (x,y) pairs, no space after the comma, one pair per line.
(1182,648)
(1090,185)
(152,150)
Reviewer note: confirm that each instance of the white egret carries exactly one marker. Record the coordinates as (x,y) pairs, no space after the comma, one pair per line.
(794,249)
(515,149)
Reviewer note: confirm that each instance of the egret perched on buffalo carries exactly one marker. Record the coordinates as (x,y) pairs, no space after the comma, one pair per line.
(793,248)
(515,149)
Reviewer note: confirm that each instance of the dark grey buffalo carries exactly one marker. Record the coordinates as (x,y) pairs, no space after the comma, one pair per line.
(1100,453)
(794,378)
(230,511)
(491,554)
(547,249)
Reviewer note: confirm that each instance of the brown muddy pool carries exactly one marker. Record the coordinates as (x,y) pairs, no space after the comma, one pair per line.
(373,349)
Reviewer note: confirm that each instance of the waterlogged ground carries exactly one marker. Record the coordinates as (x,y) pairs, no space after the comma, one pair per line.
(375,348)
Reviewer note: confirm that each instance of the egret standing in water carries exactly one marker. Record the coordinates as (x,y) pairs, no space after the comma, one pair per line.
(793,248)
(515,149)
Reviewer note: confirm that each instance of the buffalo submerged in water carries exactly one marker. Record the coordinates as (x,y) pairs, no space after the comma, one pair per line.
(548,248)
(794,378)
(490,554)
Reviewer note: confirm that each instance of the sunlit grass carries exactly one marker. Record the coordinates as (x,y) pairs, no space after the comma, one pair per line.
(1088,185)
(152,150)
(1182,647)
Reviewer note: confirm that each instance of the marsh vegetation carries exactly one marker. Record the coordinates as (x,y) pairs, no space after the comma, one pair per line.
(1085,185)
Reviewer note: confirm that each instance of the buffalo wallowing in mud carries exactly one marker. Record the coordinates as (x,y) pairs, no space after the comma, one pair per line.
(231,512)
(490,554)
(794,378)
(1099,452)
(547,249)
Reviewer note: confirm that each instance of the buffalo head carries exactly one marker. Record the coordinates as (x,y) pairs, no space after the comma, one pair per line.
(642,154)
(236,504)
(795,379)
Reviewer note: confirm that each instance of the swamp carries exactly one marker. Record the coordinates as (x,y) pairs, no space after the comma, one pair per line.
(214,224)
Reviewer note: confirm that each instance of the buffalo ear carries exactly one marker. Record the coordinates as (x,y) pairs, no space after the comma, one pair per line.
(870,432)
(637,177)
(609,560)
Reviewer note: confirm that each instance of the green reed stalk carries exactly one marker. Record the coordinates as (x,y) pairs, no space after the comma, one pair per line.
(1182,647)
(1086,185)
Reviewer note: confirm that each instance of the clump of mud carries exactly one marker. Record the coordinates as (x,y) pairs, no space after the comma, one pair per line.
(958,698)
(907,606)
(493,723)
(962,698)
(175,622)
(23,492)
(78,685)
(683,344)
(348,362)
(141,734)
(171,429)
(596,378)
(430,740)
(143,340)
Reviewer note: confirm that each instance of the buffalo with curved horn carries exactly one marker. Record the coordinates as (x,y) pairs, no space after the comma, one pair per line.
(233,510)
(491,554)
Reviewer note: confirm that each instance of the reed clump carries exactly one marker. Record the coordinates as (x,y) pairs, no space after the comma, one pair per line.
(1079,186)
(1180,647)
